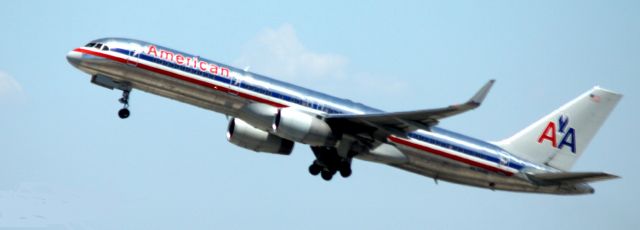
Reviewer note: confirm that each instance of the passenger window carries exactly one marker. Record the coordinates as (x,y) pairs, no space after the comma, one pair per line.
(99,46)
(105,48)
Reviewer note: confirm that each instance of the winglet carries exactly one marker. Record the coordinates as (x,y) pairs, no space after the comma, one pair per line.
(482,93)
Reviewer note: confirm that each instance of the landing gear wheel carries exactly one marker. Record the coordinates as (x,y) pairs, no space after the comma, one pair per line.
(326,175)
(315,169)
(345,172)
(345,168)
(331,162)
(124,113)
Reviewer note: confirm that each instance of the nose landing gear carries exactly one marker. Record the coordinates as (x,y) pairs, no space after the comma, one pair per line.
(110,83)
(124,112)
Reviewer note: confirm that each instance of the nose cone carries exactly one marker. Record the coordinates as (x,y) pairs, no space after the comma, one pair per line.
(74,58)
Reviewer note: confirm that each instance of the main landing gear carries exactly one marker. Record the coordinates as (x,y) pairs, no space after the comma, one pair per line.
(124,112)
(328,162)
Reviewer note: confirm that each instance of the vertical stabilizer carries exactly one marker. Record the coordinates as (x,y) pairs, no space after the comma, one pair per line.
(559,138)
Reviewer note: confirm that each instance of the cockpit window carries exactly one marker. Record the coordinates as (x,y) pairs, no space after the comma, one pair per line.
(105,48)
(99,46)
(90,44)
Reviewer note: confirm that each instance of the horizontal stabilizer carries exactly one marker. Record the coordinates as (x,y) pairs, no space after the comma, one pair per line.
(570,177)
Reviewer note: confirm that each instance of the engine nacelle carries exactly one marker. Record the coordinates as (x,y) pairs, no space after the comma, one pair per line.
(242,134)
(259,115)
(298,126)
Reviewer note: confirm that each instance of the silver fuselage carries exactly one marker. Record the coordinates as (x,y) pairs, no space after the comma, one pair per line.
(438,153)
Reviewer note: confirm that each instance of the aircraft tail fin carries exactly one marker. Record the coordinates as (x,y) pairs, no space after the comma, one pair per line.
(559,138)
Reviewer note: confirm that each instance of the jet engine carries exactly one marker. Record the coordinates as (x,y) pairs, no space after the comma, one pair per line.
(298,126)
(259,115)
(242,134)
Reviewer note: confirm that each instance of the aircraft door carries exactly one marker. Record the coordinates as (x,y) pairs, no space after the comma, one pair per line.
(134,55)
(504,161)
(234,83)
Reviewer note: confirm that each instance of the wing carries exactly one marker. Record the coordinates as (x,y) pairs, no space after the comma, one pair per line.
(570,177)
(380,125)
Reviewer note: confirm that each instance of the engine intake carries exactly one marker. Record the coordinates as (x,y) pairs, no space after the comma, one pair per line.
(242,134)
(298,126)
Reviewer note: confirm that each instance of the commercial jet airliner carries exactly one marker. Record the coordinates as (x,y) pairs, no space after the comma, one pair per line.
(268,115)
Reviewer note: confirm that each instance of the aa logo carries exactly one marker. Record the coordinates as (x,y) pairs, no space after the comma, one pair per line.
(562,130)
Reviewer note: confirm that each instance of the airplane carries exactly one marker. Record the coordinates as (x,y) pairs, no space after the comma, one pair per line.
(268,115)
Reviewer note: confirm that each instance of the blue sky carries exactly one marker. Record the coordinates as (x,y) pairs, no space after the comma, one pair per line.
(68,162)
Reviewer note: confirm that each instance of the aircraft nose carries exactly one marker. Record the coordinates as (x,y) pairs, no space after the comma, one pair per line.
(74,57)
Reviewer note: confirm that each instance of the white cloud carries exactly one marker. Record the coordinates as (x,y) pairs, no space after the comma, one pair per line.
(40,205)
(278,52)
(10,89)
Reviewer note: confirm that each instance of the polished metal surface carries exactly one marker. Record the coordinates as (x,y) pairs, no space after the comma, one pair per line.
(226,100)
